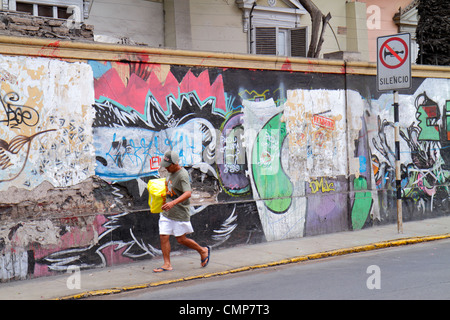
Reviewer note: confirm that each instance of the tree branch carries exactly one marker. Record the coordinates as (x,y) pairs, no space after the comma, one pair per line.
(317,18)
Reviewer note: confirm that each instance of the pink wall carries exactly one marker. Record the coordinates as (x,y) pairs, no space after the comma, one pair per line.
(386,26)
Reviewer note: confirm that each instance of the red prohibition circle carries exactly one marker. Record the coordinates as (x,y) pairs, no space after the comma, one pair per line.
(385,44)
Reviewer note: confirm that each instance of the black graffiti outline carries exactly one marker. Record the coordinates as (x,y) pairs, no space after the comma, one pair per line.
(17,114)
(14,147)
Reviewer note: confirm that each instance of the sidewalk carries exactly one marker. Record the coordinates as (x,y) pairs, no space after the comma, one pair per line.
(224,261)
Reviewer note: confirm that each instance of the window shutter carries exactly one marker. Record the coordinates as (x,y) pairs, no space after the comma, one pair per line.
(298,42)
(266,41)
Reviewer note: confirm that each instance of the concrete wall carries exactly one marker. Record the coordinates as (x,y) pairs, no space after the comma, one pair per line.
(216,25)
(112,22)
(275,149)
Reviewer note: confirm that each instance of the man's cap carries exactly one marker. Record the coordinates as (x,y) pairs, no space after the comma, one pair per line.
(170,157)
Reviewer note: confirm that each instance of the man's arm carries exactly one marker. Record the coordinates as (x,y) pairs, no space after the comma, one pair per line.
(169,205)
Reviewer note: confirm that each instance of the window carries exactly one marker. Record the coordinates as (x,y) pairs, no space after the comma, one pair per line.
(63,13)
(50,8)
(45,11)
(265,41)
(274,29)
(24,7)
(280,41)
(298,42)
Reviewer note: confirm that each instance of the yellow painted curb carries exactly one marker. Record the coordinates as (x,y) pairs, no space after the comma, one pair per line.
(313,256)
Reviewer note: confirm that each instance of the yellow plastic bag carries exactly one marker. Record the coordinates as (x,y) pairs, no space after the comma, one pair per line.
(157,194)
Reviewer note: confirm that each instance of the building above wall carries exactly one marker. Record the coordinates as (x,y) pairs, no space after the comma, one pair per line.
(46,19)
(78,10)
(406,20)
(23,24)
(274,27)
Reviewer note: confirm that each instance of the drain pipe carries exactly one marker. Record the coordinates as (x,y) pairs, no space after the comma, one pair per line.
(251,27)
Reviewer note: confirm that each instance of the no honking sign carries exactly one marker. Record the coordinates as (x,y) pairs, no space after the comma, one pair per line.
(394,62)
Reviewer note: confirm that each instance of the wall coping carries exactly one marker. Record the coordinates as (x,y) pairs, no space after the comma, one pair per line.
(78,50)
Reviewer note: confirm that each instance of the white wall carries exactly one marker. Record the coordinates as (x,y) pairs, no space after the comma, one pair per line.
(140,20)
(217,26)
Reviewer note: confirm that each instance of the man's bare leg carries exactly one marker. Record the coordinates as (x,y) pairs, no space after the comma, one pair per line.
(165,248)
(203,251)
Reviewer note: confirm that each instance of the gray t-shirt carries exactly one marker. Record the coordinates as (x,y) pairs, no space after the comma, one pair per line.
(177,184)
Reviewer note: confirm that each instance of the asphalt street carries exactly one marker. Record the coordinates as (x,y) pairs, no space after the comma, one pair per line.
(419,271)
(287,270)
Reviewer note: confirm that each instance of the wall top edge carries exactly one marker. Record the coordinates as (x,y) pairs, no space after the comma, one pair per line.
(77,50)
(66,44)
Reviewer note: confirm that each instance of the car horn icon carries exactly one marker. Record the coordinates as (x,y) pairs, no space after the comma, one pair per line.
(388,53)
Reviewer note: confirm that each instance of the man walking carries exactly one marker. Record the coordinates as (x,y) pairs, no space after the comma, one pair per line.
(175,218)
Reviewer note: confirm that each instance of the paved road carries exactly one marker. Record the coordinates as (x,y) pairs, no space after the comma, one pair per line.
(420,271)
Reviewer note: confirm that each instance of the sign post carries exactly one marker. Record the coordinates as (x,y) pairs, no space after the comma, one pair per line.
(398,172)
(394,73)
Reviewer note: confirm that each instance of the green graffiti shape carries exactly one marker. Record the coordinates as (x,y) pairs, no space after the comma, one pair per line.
(447,106)
(272,183)
(362,204)
(428,131)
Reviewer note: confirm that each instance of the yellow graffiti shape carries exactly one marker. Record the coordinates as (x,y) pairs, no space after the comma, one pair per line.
(321,185)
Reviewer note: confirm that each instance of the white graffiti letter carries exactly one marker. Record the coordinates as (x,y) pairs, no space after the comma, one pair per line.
(374,19)
(374,281)
(74,280)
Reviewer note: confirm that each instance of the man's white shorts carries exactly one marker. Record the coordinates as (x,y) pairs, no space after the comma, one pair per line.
(174,228)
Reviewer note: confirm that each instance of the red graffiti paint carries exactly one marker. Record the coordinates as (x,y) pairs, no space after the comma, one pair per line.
(287,66)
(154,162)
(54,44)
(50,50)
(136,91)
(323,122)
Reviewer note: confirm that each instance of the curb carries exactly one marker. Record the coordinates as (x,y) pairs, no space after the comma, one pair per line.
(308,257)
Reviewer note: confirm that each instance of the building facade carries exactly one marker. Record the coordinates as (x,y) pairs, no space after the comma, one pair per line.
(273,27)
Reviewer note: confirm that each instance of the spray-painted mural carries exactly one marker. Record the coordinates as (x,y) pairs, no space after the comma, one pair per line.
(424,148)
(271,155)
(45,125)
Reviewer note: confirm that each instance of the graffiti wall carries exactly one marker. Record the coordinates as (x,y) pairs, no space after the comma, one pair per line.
(271,155)
(424,149)
(46,122)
